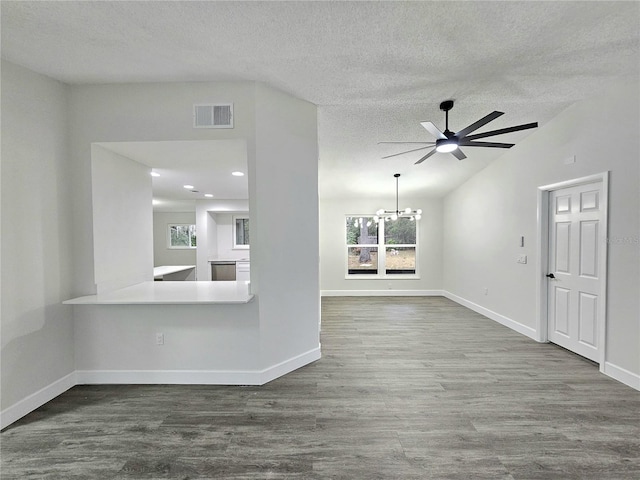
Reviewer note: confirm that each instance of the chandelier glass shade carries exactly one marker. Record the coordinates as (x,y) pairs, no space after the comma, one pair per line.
(387,215)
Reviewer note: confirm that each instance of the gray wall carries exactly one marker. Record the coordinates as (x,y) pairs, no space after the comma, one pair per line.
(37,256)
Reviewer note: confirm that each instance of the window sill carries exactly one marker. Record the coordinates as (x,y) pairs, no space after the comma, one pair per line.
(382,277)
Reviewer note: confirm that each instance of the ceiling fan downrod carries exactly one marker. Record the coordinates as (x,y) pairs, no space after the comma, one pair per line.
(445,107)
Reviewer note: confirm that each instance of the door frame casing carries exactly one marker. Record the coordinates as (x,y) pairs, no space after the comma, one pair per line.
(542,316)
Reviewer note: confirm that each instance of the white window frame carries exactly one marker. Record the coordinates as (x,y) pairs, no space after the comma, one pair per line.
(181,247)
(237,246)
(381,247)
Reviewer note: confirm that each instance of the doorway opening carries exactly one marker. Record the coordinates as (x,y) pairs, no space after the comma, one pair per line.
(572,265)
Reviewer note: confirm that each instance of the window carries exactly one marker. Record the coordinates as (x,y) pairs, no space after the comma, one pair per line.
(240,231)
(400,246)
(384,249)
(362,245)
(181,236)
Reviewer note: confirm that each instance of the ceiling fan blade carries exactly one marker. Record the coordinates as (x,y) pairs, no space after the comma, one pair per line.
(517,128)
(408,151)
(423,143)
(433,130)
(458,154)
(486,144)
(426,156)
(474,126)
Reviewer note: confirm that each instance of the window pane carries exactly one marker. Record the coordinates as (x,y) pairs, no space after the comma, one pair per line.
(400,231)
(242,231)
(179,235)
(361,231)
(363,260)
(192,236)
(400,260)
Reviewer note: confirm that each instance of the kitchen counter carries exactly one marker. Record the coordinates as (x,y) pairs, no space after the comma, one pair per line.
(167,272)
(149,293)
(228,260)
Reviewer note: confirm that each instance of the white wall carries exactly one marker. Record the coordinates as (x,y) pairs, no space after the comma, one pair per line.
(162,255)
(485,217)
(122,220)
(282,161)
(151,112)
(284,225)
(203,343)
(225,236)
(333,246)
(138,112)
(37,255)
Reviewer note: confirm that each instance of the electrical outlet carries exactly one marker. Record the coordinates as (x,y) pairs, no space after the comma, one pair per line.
(159,338)
(522,259)
(486,290)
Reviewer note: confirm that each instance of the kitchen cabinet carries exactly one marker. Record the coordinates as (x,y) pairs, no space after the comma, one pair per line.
(242,271)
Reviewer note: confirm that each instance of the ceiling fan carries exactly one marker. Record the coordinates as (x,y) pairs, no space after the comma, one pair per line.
(449,142)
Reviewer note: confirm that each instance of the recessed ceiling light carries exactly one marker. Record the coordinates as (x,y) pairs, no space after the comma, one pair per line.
(208,195)
(237,174)
(189,187)
(155,174)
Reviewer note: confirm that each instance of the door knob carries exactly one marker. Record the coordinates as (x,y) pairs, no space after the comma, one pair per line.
(551,275)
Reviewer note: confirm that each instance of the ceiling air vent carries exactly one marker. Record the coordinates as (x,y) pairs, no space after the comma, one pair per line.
(213,116)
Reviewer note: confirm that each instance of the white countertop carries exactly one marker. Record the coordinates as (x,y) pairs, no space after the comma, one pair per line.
(216,259)
(167,269)
(150,293)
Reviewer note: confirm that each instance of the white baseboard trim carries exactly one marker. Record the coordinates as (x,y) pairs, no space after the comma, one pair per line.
(196,377)
(147,377)
(381,293)
(501,319)
(168,377)
(288,366)
(35,400)
(622,375)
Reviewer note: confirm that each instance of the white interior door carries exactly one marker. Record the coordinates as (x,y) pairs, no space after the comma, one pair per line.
(576,262)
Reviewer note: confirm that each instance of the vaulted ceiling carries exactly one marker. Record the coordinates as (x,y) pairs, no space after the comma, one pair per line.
(375,69)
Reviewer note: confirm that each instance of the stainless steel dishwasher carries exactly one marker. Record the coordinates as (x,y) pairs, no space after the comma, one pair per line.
(223,271)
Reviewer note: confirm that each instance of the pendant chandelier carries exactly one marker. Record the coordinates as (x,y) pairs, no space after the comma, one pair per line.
(387,215)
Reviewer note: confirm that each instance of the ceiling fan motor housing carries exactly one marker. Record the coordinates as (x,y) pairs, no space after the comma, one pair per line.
(446,105)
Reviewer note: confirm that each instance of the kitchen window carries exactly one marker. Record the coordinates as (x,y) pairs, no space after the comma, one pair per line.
(382,249)
(181,236)
(240,232)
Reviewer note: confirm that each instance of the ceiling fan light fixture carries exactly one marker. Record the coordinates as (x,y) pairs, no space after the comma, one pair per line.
(446,145)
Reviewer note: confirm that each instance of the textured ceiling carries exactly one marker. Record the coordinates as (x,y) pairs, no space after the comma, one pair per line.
(375,69)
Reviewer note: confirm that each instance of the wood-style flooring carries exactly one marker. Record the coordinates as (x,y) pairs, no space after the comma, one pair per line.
(407,388)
